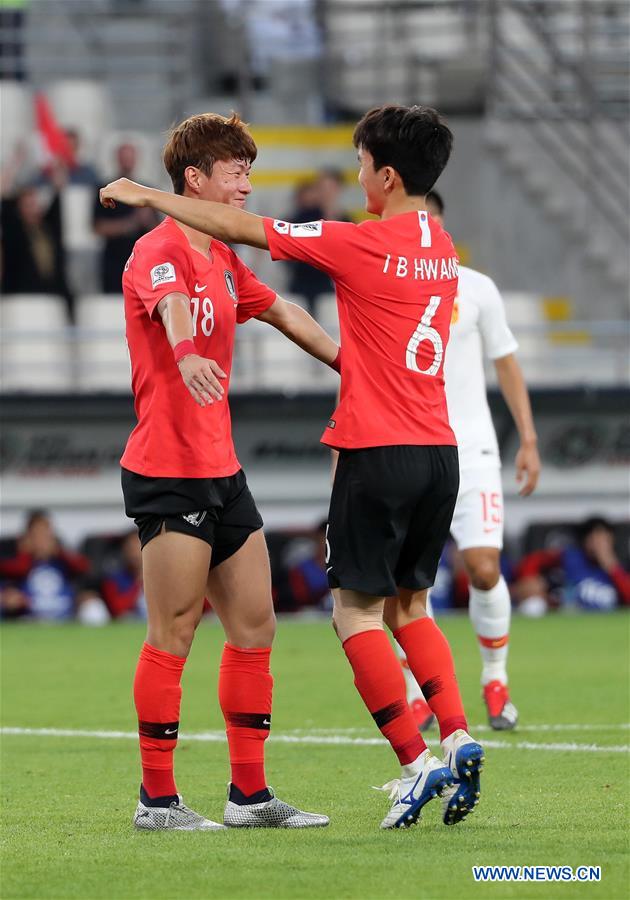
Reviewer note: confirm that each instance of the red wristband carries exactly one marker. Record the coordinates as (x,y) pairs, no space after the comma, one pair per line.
(184,348)
(336,363)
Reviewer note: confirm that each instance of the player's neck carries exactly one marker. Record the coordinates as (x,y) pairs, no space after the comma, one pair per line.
(399,204)
(197,239)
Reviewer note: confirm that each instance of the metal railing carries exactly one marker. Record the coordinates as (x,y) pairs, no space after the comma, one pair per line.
(561,70)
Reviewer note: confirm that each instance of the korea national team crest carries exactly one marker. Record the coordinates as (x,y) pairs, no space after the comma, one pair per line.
(230,285)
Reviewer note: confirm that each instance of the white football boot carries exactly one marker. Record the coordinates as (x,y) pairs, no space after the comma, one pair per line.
(174,817)
(422,781)
(272,813)
(464,757)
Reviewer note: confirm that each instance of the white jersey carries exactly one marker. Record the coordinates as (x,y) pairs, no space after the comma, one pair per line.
(478,328)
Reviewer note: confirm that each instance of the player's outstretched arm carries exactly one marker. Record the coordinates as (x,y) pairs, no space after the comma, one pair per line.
(514,390)
(303,330)
(217,219)
(201,376)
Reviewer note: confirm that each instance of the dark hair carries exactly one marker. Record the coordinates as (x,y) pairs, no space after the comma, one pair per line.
(591,524)
(436,199)
(413,140)
(201,140)
(333,173)
(36,515)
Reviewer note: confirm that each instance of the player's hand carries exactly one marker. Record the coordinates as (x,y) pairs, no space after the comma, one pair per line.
(123,191)
(201,377)
(527,468)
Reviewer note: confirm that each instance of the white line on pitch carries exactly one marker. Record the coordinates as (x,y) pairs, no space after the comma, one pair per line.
(559,726)
(318,740)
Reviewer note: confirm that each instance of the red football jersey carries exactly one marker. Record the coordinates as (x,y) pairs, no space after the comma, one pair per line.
(396,281)
(174,437)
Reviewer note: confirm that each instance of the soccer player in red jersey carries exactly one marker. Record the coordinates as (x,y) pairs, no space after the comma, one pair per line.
(182,483)
(397,476)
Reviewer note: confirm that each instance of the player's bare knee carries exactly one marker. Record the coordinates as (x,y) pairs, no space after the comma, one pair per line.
(484,572)
(256,631)
(180,631)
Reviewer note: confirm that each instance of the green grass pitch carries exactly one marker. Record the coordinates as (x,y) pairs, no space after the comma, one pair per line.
(68,801)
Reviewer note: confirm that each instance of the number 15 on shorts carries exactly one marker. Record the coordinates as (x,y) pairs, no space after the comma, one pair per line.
(492,509)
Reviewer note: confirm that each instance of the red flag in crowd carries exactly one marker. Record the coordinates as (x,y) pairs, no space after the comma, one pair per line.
(55,143)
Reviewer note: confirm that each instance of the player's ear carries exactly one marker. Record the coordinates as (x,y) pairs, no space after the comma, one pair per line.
(192,177)
(389,178)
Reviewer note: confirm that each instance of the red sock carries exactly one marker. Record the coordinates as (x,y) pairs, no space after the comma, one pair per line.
(379,679)
(429,658)
(157,694)
(245,688)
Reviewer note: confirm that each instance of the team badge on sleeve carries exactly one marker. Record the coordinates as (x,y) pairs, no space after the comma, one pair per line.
(162,274)
(306,229)
(280,227)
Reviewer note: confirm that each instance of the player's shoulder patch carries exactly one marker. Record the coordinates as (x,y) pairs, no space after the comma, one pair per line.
(280,226)
(162,274)
(306,229)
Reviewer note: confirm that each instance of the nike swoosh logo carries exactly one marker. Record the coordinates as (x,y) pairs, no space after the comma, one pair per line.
(170,731)
(266,721)
(328,569)
(200,287)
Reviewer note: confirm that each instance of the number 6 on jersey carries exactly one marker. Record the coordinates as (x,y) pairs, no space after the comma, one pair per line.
(424,332)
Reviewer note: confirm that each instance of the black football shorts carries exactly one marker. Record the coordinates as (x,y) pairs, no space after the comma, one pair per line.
(390,515)
(220,511)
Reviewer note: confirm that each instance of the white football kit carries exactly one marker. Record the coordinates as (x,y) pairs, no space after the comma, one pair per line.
(479,329)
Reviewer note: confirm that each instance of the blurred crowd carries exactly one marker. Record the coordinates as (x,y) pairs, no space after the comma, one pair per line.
(34,251)
(40,578)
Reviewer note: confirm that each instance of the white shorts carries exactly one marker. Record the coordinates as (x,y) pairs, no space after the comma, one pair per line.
(478,517)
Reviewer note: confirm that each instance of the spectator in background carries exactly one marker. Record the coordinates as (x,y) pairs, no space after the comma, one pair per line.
(305,559)
(586,574)
(122,589)
(329,187)
(43,579)
(79,173)
(33,256)
(318,199)
(120,226)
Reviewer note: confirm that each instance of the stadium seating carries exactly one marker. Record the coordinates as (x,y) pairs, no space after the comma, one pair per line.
(327,314)
(84,105)
(77,202)
(266,360)
(36,346)
(103,360)
(16,119)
